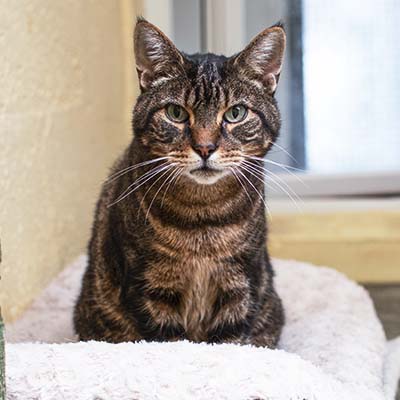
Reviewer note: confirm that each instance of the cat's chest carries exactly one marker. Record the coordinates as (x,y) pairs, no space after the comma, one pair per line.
(200,281)
(202,285)
(197,265)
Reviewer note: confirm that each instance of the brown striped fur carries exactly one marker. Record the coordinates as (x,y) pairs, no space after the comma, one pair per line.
(178,246)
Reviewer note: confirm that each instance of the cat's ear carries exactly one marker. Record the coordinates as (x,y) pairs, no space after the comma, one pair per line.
(156,56)
(262,58)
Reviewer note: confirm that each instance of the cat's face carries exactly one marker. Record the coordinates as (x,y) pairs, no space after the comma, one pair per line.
(207,114)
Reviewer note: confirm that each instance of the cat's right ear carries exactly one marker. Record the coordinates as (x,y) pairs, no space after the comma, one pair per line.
(157,58)
(262,58)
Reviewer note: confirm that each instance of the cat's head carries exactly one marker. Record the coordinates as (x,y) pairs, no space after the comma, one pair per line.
(207,113)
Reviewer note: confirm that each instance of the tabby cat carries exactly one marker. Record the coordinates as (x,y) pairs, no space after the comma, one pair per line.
(178,247)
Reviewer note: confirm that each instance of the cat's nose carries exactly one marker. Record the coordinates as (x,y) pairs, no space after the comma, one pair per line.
(204,149)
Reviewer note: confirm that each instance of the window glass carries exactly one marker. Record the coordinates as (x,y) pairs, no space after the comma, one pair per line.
(352,85)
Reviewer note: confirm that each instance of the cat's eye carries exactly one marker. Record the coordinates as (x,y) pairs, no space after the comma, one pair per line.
(176,113)
(235,114)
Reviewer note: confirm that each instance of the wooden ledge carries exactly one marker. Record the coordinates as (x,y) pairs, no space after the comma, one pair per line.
(361,240)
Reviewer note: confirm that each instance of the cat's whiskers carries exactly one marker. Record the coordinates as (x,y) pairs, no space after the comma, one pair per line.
(158,190)
(286,168)
(258,174)
(285,151)
(288,188)
(261,196)
(267,171)
(240,183)
(273,163)
(176,176)
(141,180)
(145,175)
(124,171)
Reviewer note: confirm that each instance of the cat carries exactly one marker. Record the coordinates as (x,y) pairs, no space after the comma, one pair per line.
(178,247)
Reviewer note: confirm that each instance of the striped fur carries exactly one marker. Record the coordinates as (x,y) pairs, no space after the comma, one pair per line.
(184,254)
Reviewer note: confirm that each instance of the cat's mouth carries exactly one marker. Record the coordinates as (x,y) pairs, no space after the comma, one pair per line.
(206,175)
(205,170)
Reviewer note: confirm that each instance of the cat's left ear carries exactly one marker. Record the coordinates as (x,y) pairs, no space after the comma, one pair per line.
(156,56)
(262,59)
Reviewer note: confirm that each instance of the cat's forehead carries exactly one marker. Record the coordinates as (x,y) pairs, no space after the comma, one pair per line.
(206,58)
(209,66)
(207,91)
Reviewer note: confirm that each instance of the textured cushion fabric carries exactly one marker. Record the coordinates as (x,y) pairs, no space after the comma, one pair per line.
(332,347)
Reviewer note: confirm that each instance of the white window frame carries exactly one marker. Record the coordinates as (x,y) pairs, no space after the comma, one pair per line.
(347,184)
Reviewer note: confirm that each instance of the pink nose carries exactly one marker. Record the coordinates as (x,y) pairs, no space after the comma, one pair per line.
(204,149)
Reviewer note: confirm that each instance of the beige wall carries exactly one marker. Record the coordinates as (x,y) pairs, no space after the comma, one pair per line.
(66,89)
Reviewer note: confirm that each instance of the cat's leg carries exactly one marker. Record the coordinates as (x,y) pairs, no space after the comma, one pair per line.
(102,322)
(229,333)
(98,314)
(231,320)
(155,314)
(268,324)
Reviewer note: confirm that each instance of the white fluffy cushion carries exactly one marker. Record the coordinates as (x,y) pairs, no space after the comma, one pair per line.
(332,347)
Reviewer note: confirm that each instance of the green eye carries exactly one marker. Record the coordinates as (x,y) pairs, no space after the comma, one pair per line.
(236,114)
(176,113)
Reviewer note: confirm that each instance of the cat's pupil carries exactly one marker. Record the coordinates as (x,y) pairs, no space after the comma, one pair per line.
(235,112)
(177,112)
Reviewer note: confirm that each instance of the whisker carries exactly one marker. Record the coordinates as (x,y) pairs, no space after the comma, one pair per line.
(286,185)
(278,184)
(264,170)
(291,173)
(150,174)
(150,187)
(241,183)
(124,171)
(261,174)
(283,166)
(179,171)
(259,194)
(286,152)
(179,176)
(144,176)
(158,190)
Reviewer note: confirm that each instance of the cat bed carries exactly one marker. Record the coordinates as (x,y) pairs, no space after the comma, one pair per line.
(332,347)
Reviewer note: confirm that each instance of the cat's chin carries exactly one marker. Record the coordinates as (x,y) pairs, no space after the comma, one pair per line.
(206,176)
